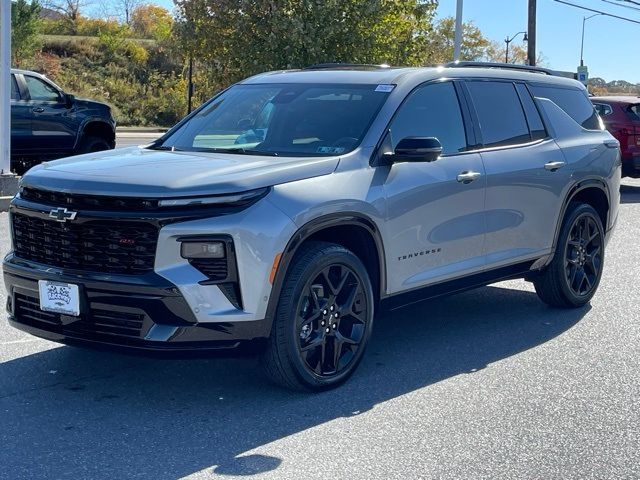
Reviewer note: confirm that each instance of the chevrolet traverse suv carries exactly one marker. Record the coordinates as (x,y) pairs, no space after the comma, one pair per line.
(291,207)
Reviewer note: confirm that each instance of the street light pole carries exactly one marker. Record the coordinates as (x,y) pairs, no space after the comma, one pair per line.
(457,43)
(584,19)
(5,86)
(508,41)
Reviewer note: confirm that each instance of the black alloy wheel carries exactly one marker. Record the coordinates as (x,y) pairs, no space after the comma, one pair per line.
(323,320)
(583,255)
(332,319)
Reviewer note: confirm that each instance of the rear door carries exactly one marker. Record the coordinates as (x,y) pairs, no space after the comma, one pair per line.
(20,120)
(52,123)
(525,172)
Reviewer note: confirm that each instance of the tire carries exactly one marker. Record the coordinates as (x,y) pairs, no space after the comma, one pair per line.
(91,144)
(326,305)
(573,276)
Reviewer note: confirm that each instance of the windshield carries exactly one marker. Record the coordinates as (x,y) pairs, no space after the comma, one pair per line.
(281,119)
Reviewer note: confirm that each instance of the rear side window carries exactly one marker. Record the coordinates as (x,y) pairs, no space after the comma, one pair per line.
(603,109)
(15,94)
(633,112)
(431,111)
(574,102)
(536,127)
(502,120)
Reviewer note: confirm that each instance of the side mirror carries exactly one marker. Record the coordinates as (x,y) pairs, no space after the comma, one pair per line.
(417,149)
(68,100)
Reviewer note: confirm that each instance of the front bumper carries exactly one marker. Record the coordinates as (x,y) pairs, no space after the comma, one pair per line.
(142,312)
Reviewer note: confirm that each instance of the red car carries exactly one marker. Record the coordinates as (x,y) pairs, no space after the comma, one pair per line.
(621,116)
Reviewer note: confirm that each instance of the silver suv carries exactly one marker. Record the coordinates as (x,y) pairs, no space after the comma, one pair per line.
(291,207)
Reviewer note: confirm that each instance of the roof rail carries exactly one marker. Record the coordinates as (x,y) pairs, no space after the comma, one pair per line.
(507,66)
(345,66)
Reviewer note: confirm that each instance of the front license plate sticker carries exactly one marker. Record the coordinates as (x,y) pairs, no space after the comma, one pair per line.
(59,297)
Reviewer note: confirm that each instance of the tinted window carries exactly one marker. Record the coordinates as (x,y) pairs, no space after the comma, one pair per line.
(41,91)
(282,119)
(15,94)
(431,111)
(603,109)
(633,112)
(575,102)
(500,114)
(536,127)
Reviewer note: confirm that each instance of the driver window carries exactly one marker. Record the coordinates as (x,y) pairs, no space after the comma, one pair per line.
(41,91)
(431,111)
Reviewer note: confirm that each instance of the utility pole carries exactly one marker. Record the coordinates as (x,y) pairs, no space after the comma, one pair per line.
(457,44)
(531,34)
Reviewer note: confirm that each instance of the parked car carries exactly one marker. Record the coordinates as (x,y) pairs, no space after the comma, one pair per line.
(621,116)
(47,123)
(290,208)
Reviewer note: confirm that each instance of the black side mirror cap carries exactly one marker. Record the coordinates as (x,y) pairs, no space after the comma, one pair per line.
(69,100)
(417,149)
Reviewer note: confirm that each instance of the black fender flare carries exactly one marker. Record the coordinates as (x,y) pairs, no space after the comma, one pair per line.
(306,231)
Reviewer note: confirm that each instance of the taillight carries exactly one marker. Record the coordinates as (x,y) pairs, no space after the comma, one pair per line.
(622,129)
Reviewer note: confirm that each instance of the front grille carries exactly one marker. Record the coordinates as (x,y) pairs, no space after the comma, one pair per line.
(100,246)
(103,323)
(87,202)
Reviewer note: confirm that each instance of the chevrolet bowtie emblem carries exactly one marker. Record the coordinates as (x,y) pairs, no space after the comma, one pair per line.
(62,214)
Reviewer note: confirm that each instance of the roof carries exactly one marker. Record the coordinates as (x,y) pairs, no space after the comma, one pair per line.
(395,75)
(616,99)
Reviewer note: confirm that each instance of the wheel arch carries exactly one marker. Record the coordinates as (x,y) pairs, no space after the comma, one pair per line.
(99,128)
(591,191)
(365,242)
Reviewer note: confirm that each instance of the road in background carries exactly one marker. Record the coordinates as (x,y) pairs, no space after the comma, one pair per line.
(127,139)
(485,384)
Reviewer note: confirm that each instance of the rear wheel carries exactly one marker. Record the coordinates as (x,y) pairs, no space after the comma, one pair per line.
(573,276)
(323,320)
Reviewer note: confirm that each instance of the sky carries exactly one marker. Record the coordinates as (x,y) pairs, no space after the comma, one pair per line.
(610,45)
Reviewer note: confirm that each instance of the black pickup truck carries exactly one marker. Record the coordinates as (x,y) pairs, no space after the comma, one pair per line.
(47,123)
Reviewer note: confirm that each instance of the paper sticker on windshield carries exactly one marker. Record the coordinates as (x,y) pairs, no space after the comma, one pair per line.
(331,150)
(386,88)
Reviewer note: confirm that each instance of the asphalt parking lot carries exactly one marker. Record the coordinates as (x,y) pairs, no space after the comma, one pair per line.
(485,384)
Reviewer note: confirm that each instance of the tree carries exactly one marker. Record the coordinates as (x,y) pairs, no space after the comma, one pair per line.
(69,11)
(126,9)
(236,38)
(440,44)
(151,21)
(25,21)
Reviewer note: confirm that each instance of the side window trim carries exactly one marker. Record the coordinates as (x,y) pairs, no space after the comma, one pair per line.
(22,89)
(465,112)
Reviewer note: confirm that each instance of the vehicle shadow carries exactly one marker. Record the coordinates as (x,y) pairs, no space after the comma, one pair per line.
(629,193)
(76,413)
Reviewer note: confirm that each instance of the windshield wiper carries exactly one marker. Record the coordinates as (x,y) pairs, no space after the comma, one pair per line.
(165,148)
(239,151)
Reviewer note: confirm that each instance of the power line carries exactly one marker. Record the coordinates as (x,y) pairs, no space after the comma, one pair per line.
(598,11)
(630,1)
(621,5)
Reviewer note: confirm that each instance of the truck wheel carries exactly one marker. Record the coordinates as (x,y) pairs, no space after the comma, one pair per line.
(91,144)
(323,320)
(574,274)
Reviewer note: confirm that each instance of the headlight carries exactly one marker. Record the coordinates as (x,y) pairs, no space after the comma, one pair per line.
(195,249)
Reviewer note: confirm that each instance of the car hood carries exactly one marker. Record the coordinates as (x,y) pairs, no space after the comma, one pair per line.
(140,172)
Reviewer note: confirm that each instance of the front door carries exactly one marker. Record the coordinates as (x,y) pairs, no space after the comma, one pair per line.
(435,210)
(52,123)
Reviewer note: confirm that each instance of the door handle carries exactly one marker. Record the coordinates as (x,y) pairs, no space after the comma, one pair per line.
(553,166)
(38,110)
(611,143)
(468,177)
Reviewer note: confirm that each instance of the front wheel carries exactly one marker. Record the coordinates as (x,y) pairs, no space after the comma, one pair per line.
(323,320)
(573,276)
